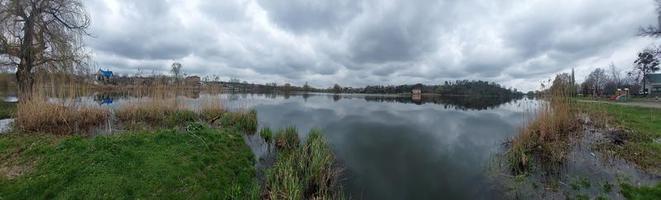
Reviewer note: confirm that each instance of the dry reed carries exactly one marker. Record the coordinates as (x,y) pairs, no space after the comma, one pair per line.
(546,139)
(40,116)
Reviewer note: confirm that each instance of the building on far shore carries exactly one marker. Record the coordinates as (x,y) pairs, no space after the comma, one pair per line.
(653,84)
(104,75)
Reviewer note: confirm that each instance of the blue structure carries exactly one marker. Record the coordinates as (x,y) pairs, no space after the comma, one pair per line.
(104,75)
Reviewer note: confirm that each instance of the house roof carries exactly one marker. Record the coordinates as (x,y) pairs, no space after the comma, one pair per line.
(105,73)
(654,78)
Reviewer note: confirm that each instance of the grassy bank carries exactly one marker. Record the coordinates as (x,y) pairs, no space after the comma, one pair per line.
(638,142)
(193,164)
(7,110)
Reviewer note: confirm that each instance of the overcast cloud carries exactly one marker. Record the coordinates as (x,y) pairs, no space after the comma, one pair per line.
(359,42)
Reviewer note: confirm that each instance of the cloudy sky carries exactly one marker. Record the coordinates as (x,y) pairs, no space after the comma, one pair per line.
(357,42)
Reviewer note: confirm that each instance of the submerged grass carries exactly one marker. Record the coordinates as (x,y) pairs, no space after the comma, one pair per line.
(202,163)
(302,171)
(40,116)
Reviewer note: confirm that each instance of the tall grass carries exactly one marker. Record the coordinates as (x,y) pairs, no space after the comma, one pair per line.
(40,116)
(303,171)
(266,134)
(243,120)
(545,139)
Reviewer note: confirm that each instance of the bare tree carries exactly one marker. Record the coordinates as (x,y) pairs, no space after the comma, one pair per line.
(596,81)
(176,71)
(44,34)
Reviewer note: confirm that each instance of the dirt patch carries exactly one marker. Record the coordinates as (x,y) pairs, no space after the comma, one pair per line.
(11,167)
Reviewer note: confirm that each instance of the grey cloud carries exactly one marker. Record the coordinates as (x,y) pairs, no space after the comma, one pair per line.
(311,15)
(365,41)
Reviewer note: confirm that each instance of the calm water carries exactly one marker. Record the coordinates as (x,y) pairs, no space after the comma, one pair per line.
(394,150)
(393,147)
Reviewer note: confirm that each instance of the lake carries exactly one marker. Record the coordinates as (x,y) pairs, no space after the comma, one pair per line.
(393,147)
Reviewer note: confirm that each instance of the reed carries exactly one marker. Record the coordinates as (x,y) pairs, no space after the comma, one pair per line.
(546,139)
(306,171)
(211,109)
(287,139)
(155,112)
(266,134)
(243,120)
(40,116)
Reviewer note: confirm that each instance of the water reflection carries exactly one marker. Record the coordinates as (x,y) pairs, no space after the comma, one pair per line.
(391,147)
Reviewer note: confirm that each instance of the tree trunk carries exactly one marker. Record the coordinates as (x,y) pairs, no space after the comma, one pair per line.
(24,72)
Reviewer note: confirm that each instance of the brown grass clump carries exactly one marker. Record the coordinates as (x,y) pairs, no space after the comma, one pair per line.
(546,138)
(211,110)
(40,116)
(151,111)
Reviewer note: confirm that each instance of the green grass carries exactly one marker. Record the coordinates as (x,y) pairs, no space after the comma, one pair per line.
(287,139)
(7,110)
(303,171)
(641,193)
(200,163)
(644,125)
(267,134)
(245,121)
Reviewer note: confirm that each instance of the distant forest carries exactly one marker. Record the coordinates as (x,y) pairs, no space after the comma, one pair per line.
(456,88)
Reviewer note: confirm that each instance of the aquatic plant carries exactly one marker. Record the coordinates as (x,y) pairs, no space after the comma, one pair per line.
(287,139)
(304,171)
(266,134)
(39,116)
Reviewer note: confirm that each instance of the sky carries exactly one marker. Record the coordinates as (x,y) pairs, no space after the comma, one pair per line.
(366,42)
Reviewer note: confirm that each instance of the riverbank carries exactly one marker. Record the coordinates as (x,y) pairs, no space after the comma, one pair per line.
(159,148)
(584,150)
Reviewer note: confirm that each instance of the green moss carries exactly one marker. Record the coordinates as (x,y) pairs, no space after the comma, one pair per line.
(7,110)
(201,163)
(641,193)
